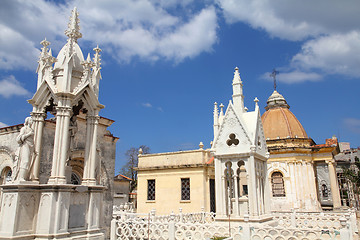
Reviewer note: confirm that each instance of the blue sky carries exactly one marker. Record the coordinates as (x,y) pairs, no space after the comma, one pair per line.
(164,63)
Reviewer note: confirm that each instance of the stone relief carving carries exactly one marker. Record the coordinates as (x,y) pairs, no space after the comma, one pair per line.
(24,155)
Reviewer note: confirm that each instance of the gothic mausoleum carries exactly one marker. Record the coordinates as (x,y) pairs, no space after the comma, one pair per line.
(57,168)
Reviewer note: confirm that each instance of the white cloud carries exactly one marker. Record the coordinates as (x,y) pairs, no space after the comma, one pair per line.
(16,51)
(23,24)
(148,105)
(333,54)
(126,29)
(10,87)
(294,20)
(329,29)
(353,124)
(192,38)
(2,125)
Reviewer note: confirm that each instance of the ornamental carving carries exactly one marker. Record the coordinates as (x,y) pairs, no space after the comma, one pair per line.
(232,140)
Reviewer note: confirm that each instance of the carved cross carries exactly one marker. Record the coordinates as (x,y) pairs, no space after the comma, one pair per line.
(273,75)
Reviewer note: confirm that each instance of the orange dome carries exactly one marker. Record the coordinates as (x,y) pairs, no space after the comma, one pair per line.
(279,122)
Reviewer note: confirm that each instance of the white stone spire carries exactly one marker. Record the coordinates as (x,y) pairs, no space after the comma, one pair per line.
(238,97)
(221,116)
(96,75)
(46,61)
(87,64)
(73,31)
(216,119)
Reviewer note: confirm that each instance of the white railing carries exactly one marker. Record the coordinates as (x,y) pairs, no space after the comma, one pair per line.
(291,233)
(197,217)
(202,225)
(315,220)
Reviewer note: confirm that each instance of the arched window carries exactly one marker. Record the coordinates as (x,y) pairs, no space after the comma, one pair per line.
(277,183)
(229,181)
(242,179)
(8,176)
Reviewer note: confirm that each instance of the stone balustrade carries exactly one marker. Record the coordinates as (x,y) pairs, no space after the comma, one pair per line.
(203,225)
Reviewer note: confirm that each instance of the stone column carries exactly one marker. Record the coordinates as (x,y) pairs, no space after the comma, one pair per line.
(236,195)
(313,187)
(258,191)
(293,195)
(38,118)
(334,184)
(91,160)
(224,195)
(253,207)
(61,143)
(218,187)
(298,184)
(267,193)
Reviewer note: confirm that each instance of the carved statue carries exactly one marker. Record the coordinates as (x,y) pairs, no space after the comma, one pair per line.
(25,153)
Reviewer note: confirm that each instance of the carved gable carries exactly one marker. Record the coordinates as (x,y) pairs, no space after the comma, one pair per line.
(232,137)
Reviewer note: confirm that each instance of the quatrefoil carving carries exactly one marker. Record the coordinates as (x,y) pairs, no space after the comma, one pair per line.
(232,140)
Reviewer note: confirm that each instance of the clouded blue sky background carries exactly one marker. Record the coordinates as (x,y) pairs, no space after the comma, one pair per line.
(164,63)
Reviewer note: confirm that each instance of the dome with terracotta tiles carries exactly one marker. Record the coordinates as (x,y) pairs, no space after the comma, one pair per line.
(278,121)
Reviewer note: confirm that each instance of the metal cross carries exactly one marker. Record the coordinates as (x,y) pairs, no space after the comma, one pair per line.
(273,75)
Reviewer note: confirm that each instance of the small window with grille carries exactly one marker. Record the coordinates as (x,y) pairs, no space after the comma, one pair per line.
(151,189)
(185,189)
(277,183)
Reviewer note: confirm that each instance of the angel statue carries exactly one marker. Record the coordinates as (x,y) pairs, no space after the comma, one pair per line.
(24,155)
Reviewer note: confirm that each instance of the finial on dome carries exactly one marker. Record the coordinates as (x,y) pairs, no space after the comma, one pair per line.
(73,30)
(201,145)
(276,100)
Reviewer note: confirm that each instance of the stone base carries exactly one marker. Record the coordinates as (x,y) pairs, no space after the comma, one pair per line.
(45,211)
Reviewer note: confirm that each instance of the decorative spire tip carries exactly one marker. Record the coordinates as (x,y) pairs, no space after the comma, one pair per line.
(73,31)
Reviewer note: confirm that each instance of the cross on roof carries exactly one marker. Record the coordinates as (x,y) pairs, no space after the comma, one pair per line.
(273,75)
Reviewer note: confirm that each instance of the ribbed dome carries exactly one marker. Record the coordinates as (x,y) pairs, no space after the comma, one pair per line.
(279,122)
